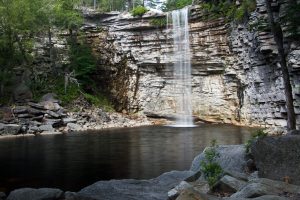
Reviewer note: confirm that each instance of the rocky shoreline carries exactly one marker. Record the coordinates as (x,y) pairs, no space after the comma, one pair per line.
(49,117)
(240,180)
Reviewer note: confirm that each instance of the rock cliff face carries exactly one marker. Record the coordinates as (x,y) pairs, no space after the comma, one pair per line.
(236,75)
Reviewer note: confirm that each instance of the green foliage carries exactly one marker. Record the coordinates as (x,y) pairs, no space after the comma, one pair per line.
(83,62)
(65,14)
(260,25)
(211,169)
(72,92)
(176,4)
(22,20)
(6,81)
(256,135)
(159,22)
(111,5)
(139,11)
(99,100)
(229,10)
(291,19)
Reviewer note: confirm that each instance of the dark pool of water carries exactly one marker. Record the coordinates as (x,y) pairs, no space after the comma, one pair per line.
(73,161)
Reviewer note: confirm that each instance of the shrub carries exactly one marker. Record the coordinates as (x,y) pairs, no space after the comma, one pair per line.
(291,20)
(82,62)
(138,11)
(176,4)
(229,10)
(160,22)
(99,100)
(71,93)
(211,169)
(256,135)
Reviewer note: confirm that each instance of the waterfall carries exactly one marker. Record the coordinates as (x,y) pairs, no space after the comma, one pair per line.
(182,68)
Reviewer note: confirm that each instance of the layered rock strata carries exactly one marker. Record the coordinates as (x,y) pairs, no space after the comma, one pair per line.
(236,75)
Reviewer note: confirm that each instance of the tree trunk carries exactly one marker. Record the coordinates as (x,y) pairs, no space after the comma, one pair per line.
(50,43)
(73,35)
(130,4)
(2,89)
(278,37)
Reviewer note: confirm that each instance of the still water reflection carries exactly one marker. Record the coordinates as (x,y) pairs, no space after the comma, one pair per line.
(73,161)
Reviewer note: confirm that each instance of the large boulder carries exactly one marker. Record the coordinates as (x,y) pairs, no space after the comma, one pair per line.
(36,194)
(264,197)
(278,158)
(191,194)
(50,97)
(153,189)
(6,114)
(22,93)
(229,184)
(261,186)
(9,129)
(232,158)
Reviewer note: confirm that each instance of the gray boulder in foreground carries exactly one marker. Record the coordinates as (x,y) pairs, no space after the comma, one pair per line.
(232,158)
(36,194)
(278,158)
(153,189)
(265,197)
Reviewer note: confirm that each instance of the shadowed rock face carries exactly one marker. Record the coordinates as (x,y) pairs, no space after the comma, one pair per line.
(236,76)
(278,158)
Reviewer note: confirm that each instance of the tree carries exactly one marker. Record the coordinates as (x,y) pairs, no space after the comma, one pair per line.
(156,4)
(279,39)
(130,4)
(176,4)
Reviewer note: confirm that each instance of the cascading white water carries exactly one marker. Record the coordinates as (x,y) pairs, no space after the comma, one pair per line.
(182,68)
